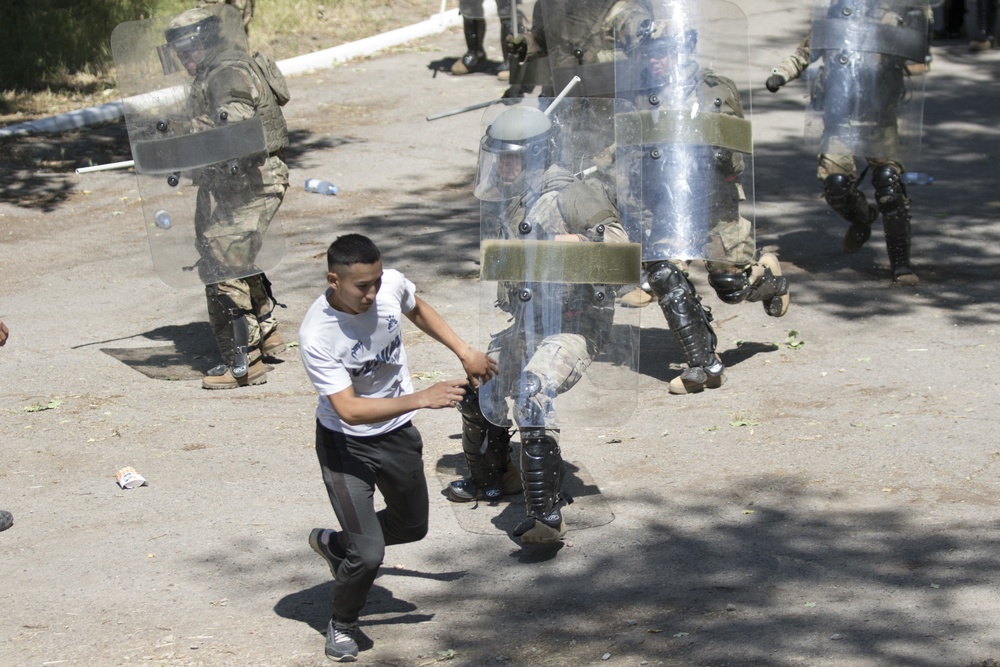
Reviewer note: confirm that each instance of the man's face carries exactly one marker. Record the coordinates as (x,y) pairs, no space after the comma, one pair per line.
(191,59)
(353,288)
(663,59)
(509,167)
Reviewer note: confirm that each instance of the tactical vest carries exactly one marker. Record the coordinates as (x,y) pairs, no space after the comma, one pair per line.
(267,107)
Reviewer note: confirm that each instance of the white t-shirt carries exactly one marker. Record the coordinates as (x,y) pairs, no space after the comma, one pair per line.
(340,350)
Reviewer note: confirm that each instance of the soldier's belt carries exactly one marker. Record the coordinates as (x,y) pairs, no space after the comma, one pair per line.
(663,126)
(559,262)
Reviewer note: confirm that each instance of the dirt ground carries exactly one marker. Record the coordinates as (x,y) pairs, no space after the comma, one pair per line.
(833,504)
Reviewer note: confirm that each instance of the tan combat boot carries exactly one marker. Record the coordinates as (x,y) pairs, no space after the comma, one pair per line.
(637,298)
(273,344)
(542,532)
(692,384)
(256,374)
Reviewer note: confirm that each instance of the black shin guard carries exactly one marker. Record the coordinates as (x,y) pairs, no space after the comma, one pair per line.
(475,32)
(487,452)
(241,332)
(542,475)
(890,195)
(686,317)
(843,196)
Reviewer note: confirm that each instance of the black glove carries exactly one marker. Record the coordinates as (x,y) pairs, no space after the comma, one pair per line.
(517,46)
(774,82)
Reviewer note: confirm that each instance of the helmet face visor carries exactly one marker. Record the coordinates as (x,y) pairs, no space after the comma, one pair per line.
(501,171)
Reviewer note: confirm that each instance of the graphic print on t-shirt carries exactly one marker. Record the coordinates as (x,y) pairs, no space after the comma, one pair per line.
(387,355)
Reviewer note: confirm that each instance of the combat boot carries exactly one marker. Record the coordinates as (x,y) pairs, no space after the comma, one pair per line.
(696,379)
(475,30)
(546,530)
(273,344)
(466,490)
(221,377)
(898,248)
(637,298)
(771,288)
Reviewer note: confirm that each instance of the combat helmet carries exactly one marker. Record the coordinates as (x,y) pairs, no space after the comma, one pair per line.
(515,147)
(194,30)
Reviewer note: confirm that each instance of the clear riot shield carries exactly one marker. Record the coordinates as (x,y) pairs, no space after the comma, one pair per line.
(866,82)
(579,38)
(567,355)
(205,208)
(687,148)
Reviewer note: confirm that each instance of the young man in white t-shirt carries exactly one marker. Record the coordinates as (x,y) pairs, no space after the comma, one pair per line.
(352,348)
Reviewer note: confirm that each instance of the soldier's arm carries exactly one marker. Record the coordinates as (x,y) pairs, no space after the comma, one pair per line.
(792,66)
(233,92)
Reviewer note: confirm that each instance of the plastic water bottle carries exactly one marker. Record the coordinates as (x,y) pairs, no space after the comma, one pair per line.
(322,187)
(917,178)
(162,219)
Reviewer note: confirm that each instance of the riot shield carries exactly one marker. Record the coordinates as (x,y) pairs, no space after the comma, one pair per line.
(579,39)
(208,210)
(687,148)
(866,82)
(553,258)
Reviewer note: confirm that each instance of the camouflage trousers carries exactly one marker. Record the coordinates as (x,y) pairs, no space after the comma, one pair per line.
(559,361)
(836,163)
(731,248)
(249,295)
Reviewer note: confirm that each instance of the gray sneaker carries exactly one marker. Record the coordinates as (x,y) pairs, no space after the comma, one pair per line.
(324,542)
(340,643)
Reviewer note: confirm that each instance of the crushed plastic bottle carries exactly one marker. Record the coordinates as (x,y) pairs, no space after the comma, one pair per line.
(162,219)
(322,187)
(917,178)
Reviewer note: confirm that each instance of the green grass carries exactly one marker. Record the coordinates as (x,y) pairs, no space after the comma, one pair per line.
(61,58)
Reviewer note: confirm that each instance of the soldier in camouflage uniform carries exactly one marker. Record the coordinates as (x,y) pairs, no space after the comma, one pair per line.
(557,328)
(691,190)
(859,103)
(579,40)
(474,29)
(228,86)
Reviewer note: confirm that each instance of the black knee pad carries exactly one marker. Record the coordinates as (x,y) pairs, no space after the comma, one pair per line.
(664,278)
(890,192)
(837,189)
(890,197)
(731,287)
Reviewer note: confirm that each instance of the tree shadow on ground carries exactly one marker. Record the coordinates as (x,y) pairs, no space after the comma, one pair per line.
(770,571)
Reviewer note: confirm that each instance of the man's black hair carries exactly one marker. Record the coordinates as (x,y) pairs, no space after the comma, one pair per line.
(352,249)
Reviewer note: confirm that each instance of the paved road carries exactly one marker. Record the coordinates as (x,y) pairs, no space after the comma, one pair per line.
(833,504)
